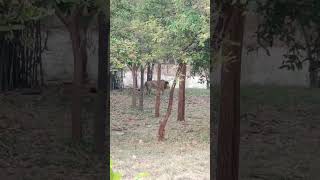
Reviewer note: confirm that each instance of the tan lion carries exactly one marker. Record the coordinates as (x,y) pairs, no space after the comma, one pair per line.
(154,84)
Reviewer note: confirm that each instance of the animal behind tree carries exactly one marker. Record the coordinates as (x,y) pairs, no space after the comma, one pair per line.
(154,85)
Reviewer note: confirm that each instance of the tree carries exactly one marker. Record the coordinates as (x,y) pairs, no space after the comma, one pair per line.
(163,122)
(296,24)
(157,104)
(182,89)
(150,68)
(190,29)
(141,88)
(228,36)
(138,41)
(103,104)
(15,13)
(76,16)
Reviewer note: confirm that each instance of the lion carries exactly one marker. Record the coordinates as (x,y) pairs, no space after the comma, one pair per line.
(154,84)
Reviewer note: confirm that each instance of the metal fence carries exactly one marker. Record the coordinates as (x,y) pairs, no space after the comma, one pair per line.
(20,58)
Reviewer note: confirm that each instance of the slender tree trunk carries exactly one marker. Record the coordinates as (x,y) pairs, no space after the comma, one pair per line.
(208,81)
(182,93)
(134,86)
(229,122)
(84,54)
(157,105)
(150,71)
(77,82)
(103,103)
(313,75)
(136,79)
(163,123)
(141,89)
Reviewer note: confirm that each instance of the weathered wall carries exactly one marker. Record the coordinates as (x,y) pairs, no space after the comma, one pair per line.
(58,60)
(257,67)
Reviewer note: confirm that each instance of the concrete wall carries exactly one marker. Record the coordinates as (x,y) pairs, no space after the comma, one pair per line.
(257,67)
(58,60)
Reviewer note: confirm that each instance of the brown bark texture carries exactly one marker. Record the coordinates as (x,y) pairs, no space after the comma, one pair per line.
(141,88)
(150,71)
(182,93)
(134,86)
(229,122)
(163,123)
(157,104)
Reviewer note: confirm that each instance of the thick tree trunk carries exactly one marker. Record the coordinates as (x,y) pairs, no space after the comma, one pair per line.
(77,82)
(182,93)
(103,102)
(229,122)
(134,86)
(157,105)
(141,89)
(150,71)
(163,123)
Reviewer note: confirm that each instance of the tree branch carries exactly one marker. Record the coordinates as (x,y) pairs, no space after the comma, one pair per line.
(60,15)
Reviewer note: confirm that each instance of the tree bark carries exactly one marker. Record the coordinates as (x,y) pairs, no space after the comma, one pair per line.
(313,75)
(229,122)
(77,81)
(141,89)
(103,102)
(182,93)
(84,54)
(150,71)
(163,123)
(157,105)
(134,86)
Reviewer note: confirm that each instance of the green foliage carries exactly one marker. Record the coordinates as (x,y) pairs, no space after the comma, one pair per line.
(118,176)
(14,14)
(159,31)
(114,175)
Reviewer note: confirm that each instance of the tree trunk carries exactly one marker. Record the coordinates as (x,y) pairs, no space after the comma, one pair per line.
(163,123)
(182,93)
(157,105)
(208,81)
(84,54)
(103,102)
(141,89)
(77,82)
(150,71)
(313,74)
(229,122)
(134,87)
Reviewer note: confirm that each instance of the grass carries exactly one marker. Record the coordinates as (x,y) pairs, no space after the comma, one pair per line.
(280,142)
(135,148)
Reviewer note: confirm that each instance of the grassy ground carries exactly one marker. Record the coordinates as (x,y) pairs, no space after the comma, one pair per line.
(283,140)
(280,140)
(35,139)
(134,145)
